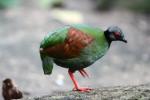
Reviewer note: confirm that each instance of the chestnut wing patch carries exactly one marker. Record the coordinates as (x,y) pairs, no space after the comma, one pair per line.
(76,41)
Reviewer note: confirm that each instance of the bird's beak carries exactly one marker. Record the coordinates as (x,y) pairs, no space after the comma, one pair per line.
(124,40)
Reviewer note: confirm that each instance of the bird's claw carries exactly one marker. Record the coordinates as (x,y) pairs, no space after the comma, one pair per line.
(83,73)
(82,89)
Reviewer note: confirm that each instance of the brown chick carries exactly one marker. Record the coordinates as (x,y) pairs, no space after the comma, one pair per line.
(9,91)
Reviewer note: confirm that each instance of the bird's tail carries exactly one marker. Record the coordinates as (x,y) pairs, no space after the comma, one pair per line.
(47,63)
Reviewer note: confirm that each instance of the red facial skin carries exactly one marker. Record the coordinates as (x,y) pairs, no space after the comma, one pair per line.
(117,35)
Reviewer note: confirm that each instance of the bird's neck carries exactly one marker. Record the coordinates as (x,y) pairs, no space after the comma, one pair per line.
(107,37)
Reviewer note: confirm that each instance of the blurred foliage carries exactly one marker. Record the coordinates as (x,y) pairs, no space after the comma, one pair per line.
(8,3)
(66,16)
(141,6)
(105,4)
(51,3)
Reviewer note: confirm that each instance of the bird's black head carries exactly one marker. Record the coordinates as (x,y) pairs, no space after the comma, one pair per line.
(114,33)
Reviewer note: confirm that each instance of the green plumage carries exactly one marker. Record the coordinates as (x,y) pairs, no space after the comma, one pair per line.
(47,64)
(87,56)
(55,37)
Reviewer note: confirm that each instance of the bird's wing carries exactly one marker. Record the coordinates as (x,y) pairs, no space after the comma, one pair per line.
(53,38)
(94,32)
(66,44)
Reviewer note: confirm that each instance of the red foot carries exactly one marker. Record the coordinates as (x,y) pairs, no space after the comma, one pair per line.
(82,89)
(83,73)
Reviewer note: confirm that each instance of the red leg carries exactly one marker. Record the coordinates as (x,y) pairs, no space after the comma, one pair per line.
(76,87)
(73,79)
